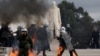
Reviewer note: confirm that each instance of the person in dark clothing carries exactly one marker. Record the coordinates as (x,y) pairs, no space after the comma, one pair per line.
(25,43)
(62,45)
(32,30)
(5,35)
(11,38)
(18,32)
(42,37)
(65,42)
(95,38)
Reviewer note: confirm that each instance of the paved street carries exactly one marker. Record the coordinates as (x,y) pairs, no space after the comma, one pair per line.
(54,47)
(81,52)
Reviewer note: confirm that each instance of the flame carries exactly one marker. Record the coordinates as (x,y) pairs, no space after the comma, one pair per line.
(60,49)
(14,53)
(30,53)
(75,54)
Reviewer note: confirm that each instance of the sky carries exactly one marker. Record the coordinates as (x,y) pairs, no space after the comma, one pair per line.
(91,6)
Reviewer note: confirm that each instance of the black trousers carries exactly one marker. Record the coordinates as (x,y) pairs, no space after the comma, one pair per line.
(23,52)
(73,52)
(95,45)
(44,52)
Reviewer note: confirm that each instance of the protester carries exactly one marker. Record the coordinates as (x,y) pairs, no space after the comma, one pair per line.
(43,43)
(32,30)
(65,42)
(5,35)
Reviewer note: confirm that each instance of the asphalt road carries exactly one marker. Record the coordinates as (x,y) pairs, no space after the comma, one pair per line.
(54,47)
(81,52)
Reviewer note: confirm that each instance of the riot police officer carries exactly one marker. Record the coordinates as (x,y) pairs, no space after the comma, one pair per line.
(25,43)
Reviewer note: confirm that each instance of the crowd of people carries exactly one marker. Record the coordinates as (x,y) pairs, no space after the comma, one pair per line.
(26,40)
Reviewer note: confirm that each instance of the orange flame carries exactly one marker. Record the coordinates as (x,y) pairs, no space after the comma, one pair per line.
(14,53)
(75,54)
(30,53)
(60,49)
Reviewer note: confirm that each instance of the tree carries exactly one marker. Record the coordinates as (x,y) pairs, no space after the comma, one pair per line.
(80,21)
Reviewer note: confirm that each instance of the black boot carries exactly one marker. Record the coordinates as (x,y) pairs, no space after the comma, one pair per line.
(49,49)
(44,53)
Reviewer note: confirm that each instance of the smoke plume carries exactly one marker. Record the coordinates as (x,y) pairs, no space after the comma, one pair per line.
(11,9)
